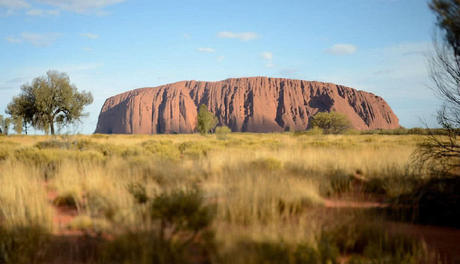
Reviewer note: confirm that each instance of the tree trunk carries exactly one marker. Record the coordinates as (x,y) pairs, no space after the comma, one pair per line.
(52,128)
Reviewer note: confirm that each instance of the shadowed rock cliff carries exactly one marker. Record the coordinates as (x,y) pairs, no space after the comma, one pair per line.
(257,104)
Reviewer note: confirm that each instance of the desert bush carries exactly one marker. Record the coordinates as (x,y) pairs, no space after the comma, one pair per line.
(145,248)
(6,149)
(4,154)
(163,149)
(48,161)
(331,122)
(315,131)
(362,243)
(53,144)
(433,201)
(139,192)
(99,205)
(222,132)
(370,243)
(89,225)
(181,214)
(267,163)
(23,245)
(67,200)
(194,149)
(281,252)
(181,232)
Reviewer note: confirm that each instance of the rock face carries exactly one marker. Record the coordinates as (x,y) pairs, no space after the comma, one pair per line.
(257,104)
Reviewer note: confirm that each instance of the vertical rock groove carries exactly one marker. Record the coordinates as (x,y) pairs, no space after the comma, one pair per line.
(255,104)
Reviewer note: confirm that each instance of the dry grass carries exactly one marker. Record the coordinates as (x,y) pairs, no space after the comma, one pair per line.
(23,199)
(265,187)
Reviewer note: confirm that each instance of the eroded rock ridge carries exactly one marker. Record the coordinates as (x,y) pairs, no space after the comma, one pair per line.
(256,104)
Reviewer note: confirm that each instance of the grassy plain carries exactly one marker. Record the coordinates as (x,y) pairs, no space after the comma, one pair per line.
(255,198)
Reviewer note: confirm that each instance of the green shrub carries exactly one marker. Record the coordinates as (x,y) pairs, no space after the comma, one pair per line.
(97,205)
(53,144)
(331,122)
(315,131)
(435,201)
(163,149)
(88,224)
(47,160)
(139,192)
(194,149)
(146,248)
(23,244)
(6,149)
(181,233)
(267,163)
(370,243)
(183,212)
(252,252)
(66,200)
(222,132)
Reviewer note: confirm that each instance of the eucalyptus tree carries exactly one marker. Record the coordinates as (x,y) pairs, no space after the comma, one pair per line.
(49,100)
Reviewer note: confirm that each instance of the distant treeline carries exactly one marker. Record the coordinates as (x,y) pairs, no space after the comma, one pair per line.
(397,131)
(408,131)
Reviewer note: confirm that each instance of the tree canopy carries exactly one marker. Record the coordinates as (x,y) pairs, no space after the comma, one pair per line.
(206,120)
(442,154)
(331,122)
(49,100)
(448,18)
(4,125)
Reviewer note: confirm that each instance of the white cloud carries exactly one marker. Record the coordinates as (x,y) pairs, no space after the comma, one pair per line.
(14,4)
(41,12)
(36,39)
(243,36)
(342,49)
(89,35)
(398,73)
(268,57)
(13,40)
(206,50)
(220,58)
(80,6)
(39,40)
(187,36)
(288,72)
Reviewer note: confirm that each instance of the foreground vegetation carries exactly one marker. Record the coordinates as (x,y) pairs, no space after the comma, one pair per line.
(242,198)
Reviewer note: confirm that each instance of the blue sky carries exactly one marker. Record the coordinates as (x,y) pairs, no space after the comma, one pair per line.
(111,46)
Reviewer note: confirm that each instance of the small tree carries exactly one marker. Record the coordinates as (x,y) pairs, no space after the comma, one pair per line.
(48,100)
(442,153)
(18,124)
(206,120)
(5,125)
(331,123)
